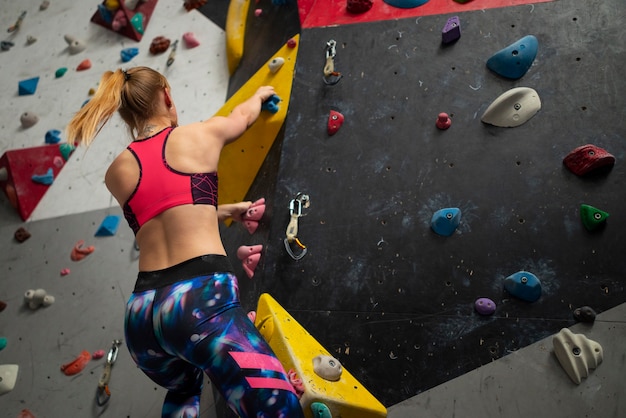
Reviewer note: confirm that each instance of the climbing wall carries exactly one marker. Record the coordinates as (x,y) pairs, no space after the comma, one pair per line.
(198,77)
(379,289)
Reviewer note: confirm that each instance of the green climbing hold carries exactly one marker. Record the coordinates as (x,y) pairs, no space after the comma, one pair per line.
(137,22)
(60,72)
(592,218)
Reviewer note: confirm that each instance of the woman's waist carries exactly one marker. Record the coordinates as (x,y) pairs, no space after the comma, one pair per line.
(202,265)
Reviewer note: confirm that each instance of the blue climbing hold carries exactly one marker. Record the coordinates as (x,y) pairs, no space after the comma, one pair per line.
(271,104)
(445,221)
(109,226)
(53,136)
(26,87)
(128,54)
(46,179)
(105,14)
(523,285)
(514,61)
(406,4)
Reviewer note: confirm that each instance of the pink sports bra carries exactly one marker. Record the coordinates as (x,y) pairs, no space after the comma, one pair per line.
(160,187)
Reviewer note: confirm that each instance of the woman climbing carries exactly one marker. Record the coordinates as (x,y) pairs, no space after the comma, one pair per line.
(184,316)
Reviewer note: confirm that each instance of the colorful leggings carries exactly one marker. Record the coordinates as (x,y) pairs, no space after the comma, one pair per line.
(192,325)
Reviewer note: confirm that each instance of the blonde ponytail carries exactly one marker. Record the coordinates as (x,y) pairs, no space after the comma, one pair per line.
(133,93)
(89,120)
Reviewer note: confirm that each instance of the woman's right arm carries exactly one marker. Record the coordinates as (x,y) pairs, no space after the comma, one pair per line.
(229,128)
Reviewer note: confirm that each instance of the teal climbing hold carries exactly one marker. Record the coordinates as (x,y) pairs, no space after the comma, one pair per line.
(137,22)
(46,179)
(109,226)
(592,218)
(66,150)
(445,221)
(405,4)
(26,87)
(3,343)
(320,410)
(60,72)
(514,61)
(523,285)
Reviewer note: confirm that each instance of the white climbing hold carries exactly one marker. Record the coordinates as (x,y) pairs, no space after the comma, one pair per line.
(327,367)
(275,64)
(576,353)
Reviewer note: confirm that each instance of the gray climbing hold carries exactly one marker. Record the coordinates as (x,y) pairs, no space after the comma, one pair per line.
(75,45)
(28,119)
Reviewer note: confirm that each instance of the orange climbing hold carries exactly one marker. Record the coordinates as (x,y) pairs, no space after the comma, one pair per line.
(79,252)
(76,365)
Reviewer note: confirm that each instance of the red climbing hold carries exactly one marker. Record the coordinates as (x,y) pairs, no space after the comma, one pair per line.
(291,43)
(79,252)
(443,121)
(335,120)
(84,65)
(26,414)
(159,45)
(359,6)
(76,365)
(587,158)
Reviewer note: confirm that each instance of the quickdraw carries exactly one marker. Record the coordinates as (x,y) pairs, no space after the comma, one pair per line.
(331,77)
(295,211)
(104,394)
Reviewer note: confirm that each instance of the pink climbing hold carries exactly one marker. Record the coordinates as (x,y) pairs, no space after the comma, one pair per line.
(250,256)
(79,252)
(190,40)
(77,365)
(258,12)
(443,121)
(65,272)
(255,211)
(253,215)
(119,20)
(98,354)
(252,316)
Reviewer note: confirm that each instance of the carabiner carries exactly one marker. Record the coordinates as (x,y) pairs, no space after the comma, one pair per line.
(295,211)
(331,77)
(103,393)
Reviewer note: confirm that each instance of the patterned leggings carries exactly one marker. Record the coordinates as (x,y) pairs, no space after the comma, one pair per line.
(177,331)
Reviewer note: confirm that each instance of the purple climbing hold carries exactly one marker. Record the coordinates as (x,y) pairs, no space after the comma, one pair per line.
(451,31)
(485,306)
